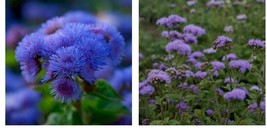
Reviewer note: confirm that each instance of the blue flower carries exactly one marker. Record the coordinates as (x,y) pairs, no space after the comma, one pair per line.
(28,53)
(65,90)
(79,17)
(66,62)
(112,37)
(22,107)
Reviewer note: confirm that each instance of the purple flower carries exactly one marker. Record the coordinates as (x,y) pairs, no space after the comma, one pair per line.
(158,76)
(215,3)
(179,46)
(217,65)
(191,2)
(165,34)
(209,51)
(182,107)
(140,56)
(170,21)
(228,80)
(112,37)
(189,39)
(67,62)
(241,17)
(65,90)
(181,74)
(14,34)
(145,88)
(172,72)
(221,41)
(209,112)
(122,79)
(256,43)
(219,91)
(230,56)
(256,88)
(253,106)
(175,35)
(183,86)
(228,29)
(195,30)
(22,107)
(241,65)
(194,88)
(196,55)
(79,17)
(192,60)
(200,75)
(262,105)
(235,94)
(28,53)
(51,26)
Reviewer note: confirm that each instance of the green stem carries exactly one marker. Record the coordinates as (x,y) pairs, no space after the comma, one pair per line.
(78,109)
(216,102)
(229,71)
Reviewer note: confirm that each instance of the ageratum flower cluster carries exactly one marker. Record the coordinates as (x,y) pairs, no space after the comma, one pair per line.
(71,47)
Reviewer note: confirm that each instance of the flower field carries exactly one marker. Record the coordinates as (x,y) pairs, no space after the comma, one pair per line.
(202,62)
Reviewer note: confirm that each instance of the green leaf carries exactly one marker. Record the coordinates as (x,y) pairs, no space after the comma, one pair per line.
(173,122)
(198,113)
(103,111)
(103,90)
(59,119)
(156,122)
(173,97)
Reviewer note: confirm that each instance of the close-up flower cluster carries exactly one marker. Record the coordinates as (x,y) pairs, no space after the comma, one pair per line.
(205,67)
(74,61)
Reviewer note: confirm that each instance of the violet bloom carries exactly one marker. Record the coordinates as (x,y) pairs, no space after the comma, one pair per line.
(191,2)
(170,21)
(228,80)
(200,75)
(229,57)
(194,88)
(217,65)
(140,56)
(181,74)
(158,76)
(22,107)
(219,91)
(172,72)
(262,105)
(195,30)
(189,39)
(256,43)
(178,46)
(209,112)
(221,41)
(215,3)
(241,17)
(145,88)
(182,107)
(235,94)
(241,65)
(256,88)
(196,55)
(252,107)
(165,34)
(75,44)
(228,29)
(173,35)
(210,51)
(14,34)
